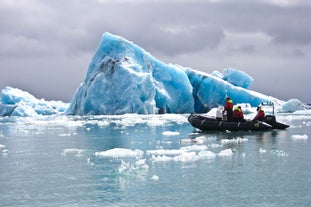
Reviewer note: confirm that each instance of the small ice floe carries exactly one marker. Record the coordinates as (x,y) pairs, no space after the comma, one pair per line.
(197,140)
(262,151)
(194,148)
(213,145)
(72,151)
(120,153)
(170,133)
(155,178)
(2,146)
(165,152)
(64,135)
(187,157)
(206,154)
(187,141)
(298,137)
(5,152)
(233,141)
(184,154)
(225,153)
(279,153)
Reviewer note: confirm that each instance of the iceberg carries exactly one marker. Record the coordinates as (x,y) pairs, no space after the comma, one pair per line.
(292,105)
(124,78)
(15,102)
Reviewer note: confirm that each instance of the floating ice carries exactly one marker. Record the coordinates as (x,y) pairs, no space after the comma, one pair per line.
(15,102)
(225,153)
(207,154)
(197,140)
(184,154)
(5,151)
(292,106)
(298,137)
(233,141)
(194,148)
(165,152)
(279,153)
(169,133)
(120,153)
(155,178)
(72,151)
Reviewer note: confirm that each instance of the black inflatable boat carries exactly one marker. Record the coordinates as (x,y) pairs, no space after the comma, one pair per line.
(204,123)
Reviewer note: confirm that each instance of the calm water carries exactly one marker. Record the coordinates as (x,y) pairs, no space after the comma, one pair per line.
(142,160)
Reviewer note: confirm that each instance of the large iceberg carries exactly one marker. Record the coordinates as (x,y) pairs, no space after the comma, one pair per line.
(124,78)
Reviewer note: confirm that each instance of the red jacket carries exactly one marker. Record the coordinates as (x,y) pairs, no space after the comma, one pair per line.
(259,116)
(237,114)
(228,105)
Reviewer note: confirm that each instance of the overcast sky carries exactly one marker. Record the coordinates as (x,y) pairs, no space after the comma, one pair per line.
(46,46)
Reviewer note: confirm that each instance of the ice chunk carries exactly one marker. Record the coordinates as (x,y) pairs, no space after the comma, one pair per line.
(155,178)
(298,137)
(120,153)
(72,151)
(15,102)
(225,153)
(292,106)
(169,133)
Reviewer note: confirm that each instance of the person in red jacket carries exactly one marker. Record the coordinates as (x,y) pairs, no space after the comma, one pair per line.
(260,114)
(238,114)
(228,108)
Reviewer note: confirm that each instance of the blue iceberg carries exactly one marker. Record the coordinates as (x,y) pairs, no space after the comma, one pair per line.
(124,78)
(15,102)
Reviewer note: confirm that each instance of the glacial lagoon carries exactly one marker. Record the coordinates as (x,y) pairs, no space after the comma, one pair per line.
(151,160)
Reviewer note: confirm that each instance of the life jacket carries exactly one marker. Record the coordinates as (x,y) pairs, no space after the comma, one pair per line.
(229,105)
(260,115)
(237,113)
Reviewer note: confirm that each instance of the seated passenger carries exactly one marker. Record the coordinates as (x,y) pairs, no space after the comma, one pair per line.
(260,114)
(238,114)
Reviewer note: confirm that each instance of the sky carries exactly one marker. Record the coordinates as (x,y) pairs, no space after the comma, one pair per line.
(46,46)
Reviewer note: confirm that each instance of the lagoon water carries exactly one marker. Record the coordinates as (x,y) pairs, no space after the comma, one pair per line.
(151,160)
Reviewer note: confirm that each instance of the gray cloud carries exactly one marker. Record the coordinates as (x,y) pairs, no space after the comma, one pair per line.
(60,38)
